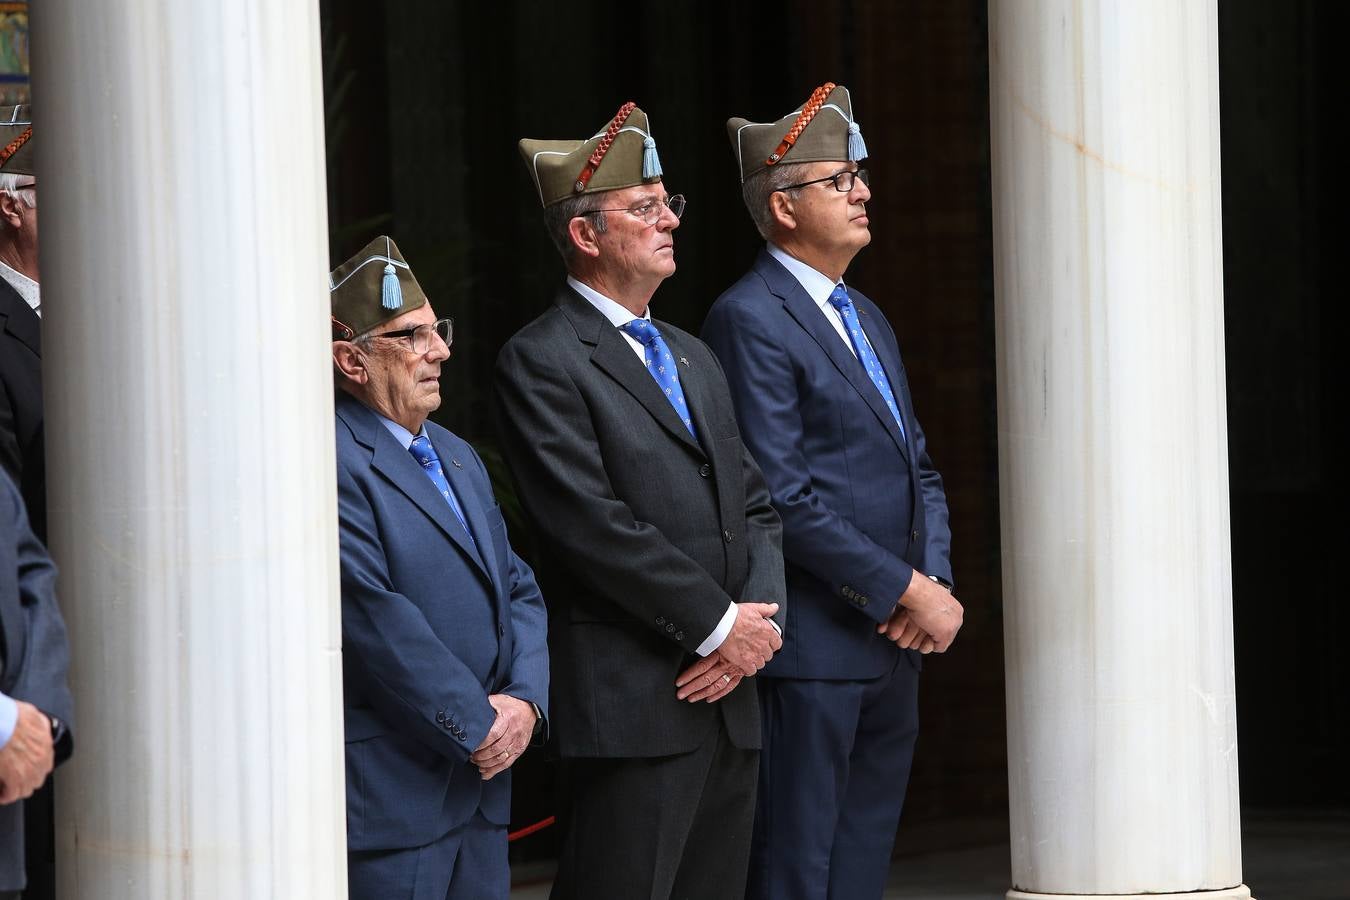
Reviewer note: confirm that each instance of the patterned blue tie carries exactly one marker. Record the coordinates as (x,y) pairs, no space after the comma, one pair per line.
(425,454)
(839,299)
(662,366)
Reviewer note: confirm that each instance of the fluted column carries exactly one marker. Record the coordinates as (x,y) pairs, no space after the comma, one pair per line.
(1122,745)
(190,446)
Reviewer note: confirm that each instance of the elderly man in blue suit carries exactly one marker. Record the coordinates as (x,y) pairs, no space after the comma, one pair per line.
(445,667)
(824,406)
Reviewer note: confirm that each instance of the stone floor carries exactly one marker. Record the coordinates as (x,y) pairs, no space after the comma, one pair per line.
(1286,856)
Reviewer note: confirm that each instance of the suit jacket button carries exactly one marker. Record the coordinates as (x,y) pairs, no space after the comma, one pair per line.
(705,470)
(501,630)
(660,620)
(440,717)
(670,628)
(862,601)
(728,536)
(679,635)
(914,535)
(460,735)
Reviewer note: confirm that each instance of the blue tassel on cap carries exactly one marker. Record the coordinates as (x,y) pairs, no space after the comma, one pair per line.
(857,149)
(391,295)
(651,163)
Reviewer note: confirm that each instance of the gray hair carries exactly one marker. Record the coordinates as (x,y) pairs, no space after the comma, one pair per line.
(762,185)
(9,184)
(559,216)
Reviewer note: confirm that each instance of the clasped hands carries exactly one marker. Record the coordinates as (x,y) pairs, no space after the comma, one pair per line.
(926,618)
(752,642)
(28,758)
(507,738)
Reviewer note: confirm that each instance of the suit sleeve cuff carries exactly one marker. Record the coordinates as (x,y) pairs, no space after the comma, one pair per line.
(719,634)
(9,718)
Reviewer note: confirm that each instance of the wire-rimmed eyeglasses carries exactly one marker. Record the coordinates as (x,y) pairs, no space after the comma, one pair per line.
(650,211)
(419,339)
(843,181)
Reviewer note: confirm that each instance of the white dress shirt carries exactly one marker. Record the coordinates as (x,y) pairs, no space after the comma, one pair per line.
(28,288)
(819,287)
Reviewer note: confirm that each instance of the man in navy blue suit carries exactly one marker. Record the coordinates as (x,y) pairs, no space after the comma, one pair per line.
(824,406)
(445,666)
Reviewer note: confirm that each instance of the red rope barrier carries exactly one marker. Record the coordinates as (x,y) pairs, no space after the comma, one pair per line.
(531,829)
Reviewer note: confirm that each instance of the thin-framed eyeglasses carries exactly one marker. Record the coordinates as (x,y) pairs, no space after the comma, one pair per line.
(649,211)
(843,181)
(419,339)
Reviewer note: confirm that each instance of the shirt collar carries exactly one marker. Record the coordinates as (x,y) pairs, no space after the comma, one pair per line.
(28,288)
(401,434)
(817,285)
(610,309)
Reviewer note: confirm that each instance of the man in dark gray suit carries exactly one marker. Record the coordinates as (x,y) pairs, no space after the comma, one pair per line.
(664,564)
(35,703)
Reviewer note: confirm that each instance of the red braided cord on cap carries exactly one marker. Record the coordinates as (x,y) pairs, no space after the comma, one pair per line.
(603,147)
(803,119)
(13,146)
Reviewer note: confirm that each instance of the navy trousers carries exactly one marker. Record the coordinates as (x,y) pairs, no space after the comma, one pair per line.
(832,780)
(469,863)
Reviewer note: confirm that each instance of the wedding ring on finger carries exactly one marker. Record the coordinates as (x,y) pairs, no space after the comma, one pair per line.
(726,678)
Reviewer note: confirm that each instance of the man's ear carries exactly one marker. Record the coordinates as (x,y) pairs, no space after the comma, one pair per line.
(11,209)
(781,211)
(582,233)
(350,361)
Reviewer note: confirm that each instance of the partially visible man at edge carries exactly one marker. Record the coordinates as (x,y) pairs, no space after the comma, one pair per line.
(21,433)
(823,401)
(665,549)
(444,659)
(21,446)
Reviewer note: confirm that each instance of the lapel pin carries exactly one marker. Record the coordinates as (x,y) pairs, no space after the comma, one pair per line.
(456,463)
(685,361)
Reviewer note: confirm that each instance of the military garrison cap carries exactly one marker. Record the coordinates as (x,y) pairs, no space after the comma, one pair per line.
(820,130)
(16,141)
(620,155)
(371,288)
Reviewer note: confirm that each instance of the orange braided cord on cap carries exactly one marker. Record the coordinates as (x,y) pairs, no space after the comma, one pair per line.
(603,147)
(808,113)
(13,146)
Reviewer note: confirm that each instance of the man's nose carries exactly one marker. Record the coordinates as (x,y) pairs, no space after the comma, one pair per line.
(861,193)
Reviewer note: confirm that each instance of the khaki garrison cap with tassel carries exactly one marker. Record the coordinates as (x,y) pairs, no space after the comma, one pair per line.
(821,130)
(371,288)
(620,155)
(16,141)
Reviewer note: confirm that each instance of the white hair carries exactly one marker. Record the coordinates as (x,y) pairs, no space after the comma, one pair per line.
(9,184)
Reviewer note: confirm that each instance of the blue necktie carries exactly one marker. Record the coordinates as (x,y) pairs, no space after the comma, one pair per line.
(839,299)
(425,454)
(662,366)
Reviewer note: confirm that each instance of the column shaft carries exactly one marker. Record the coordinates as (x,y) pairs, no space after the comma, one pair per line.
(1122,743)
(190,440)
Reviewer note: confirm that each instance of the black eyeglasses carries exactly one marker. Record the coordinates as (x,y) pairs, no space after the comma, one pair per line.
(650,211)
(419,338)
(843,181)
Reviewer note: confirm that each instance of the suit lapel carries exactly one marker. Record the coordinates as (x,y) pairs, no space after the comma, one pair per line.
(457,474)
(18,319)
(808,315)
(615,357)
(398,466)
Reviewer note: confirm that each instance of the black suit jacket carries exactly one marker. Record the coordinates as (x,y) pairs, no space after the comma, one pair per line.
(21,448)
(649,533)
(34,655)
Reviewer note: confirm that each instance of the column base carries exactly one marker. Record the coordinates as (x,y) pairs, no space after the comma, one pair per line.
(1241,892)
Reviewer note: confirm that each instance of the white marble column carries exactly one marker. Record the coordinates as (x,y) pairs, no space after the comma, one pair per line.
(1122,741)
(190,446)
